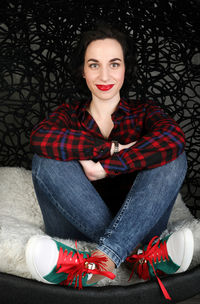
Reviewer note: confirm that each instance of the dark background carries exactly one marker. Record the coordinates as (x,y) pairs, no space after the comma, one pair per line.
(37,38)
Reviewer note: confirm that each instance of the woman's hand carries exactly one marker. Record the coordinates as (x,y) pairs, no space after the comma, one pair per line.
(121,147)
(93,171)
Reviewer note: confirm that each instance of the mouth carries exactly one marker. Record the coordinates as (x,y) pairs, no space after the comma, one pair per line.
(104,87)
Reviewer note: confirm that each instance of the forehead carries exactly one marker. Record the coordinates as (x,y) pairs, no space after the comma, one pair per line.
(104,48)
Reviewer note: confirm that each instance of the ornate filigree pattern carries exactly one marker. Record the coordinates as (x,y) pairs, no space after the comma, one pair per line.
(37,37)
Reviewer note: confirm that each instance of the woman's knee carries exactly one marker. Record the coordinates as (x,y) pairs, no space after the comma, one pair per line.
(175,171)
(171,175)
(43,167)
(179,165)
(40,166)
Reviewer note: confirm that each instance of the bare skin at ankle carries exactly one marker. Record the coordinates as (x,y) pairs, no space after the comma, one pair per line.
(110,266)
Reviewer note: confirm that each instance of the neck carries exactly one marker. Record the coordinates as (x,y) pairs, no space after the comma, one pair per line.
(103,107)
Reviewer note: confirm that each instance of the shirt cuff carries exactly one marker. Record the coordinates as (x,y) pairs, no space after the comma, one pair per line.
(115,165)
(101,149)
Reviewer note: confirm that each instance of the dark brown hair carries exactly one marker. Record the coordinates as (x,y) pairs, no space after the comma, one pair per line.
(102,31)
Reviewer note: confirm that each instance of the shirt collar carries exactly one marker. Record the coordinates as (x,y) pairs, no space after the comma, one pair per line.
(122,108)
(82,110)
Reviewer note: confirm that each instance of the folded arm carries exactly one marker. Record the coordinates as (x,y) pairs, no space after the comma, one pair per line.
(55,138)
(162,142)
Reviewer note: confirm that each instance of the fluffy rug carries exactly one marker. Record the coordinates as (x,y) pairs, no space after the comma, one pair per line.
(20,218)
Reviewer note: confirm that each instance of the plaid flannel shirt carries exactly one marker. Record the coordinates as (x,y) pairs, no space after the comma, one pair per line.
(70,133)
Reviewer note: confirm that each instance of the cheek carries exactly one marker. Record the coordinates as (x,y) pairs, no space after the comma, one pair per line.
(88,75)
(121,76)
(88,80)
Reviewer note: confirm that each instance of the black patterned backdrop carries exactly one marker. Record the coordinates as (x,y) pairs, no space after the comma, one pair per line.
(37,37)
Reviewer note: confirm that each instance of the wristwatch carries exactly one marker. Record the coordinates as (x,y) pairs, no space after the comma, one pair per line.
(116,146)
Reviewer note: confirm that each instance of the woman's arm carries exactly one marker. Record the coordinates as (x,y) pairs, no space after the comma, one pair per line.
(54,138)
(95,171)
(162,142)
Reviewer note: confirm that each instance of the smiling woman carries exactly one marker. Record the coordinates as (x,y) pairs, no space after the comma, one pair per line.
(99,139)
(104,71)
(103,32)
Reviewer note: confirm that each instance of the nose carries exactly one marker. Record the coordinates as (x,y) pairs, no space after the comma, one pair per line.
(104,74)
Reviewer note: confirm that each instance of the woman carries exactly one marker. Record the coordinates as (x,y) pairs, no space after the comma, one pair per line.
(107,141)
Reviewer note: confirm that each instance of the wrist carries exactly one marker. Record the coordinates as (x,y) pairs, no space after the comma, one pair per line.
(100,172)
(112,148)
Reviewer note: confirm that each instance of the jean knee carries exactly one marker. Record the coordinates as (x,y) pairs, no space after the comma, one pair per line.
(176,170)
(35,164)
(180,164)
(43,167)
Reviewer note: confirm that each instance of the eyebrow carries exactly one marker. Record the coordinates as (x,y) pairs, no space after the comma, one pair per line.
(95,60)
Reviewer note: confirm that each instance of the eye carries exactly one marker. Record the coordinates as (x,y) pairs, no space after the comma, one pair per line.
(115,65)
(94,65)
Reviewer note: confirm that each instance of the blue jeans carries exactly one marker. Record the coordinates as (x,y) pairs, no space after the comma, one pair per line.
(72,208)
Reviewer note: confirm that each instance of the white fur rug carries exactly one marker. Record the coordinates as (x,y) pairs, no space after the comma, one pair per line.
(20,218)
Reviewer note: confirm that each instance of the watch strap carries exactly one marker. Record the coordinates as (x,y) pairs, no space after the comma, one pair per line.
(116,146)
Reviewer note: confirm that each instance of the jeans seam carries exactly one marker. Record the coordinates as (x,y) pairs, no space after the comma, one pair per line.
(58,205)
(128,199)
(127,202)
(74,222)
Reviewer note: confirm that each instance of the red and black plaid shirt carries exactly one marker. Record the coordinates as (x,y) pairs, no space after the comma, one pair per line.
(70,133)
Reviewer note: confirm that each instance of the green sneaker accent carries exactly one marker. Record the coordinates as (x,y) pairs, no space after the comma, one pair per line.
(58,278)
(157,258)
(154,260)
(50,261)
(166,266)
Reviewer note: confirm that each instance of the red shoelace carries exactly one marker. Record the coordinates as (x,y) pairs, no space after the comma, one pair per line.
(153,254)
(76,266)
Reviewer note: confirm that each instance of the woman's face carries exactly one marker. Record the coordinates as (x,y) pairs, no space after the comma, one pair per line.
(104,69)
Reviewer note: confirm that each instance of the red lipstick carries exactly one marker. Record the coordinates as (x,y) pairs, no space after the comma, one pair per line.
(104,87)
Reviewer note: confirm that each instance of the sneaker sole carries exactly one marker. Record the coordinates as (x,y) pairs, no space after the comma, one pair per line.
(30,261)
(189,250)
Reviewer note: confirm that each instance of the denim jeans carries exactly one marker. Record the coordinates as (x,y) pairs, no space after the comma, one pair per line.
(72,208)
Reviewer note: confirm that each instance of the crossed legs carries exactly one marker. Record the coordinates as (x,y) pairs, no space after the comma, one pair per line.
(72,208)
